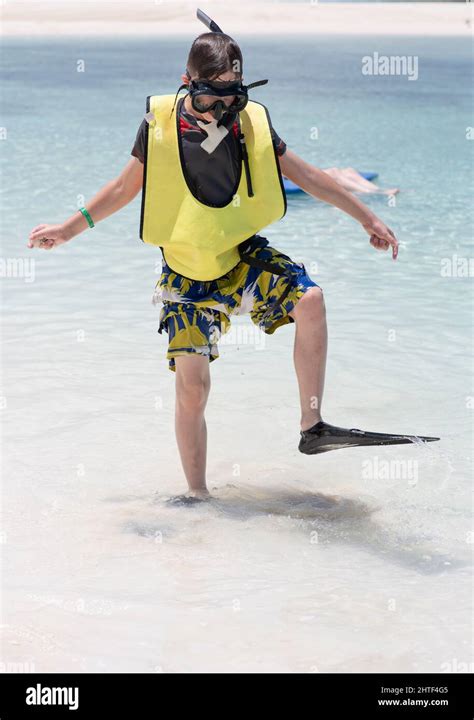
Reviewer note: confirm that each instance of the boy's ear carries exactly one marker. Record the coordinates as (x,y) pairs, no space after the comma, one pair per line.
(186,77)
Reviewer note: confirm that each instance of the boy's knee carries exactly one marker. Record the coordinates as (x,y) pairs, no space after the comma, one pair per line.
(192,391)
(311,306)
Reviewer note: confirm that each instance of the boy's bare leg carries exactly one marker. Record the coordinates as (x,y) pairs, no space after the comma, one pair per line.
(310,352)
(192,390)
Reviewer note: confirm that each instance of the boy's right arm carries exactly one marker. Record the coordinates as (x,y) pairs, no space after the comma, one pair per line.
(112,197)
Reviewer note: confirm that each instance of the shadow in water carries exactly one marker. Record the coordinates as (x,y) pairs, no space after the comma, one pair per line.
(339,520)
(336,519)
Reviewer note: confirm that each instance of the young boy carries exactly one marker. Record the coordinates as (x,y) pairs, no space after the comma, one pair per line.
(209,166)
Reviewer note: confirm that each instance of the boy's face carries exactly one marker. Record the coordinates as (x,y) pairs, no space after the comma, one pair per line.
(227,76)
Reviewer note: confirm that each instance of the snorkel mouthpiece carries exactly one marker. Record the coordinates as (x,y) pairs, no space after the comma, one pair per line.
(217,110)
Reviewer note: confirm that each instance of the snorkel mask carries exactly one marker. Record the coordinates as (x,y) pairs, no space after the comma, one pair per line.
(218,97)
(222,99)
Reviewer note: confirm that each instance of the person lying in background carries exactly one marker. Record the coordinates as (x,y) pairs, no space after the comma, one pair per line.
(353,181)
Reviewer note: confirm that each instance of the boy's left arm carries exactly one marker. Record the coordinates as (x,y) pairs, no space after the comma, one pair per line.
(318,183)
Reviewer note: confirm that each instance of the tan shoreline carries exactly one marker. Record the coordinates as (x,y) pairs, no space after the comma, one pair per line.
(166,17)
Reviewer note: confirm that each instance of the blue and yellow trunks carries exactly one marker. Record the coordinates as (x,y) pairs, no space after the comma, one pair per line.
(196,313)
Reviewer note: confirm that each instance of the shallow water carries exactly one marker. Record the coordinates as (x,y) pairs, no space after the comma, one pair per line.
(352,561)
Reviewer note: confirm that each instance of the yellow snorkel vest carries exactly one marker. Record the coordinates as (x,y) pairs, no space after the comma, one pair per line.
(200,241)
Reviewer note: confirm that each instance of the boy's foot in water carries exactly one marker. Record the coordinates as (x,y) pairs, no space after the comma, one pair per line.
(192,497)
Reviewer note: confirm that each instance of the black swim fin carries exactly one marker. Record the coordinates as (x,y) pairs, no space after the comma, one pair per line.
(323,437)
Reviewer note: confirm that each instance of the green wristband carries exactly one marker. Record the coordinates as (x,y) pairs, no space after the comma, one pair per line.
(87,216)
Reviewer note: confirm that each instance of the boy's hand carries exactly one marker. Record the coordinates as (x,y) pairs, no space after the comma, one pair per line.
(381,237)
(47,236)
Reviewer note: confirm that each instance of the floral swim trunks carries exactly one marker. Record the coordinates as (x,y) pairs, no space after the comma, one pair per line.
(196,313)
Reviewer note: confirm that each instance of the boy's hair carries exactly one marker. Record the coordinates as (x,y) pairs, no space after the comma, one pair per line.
(212,54)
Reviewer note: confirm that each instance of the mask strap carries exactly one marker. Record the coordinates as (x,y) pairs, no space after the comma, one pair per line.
(256,84)
(181,87)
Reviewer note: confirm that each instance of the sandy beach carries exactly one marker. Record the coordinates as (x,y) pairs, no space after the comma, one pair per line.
(163,17)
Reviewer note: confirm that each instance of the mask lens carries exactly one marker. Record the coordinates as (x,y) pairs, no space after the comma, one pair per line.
(207,101)
(240,101)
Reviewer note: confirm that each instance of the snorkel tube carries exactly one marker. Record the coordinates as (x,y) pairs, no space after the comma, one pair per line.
(223,114)
(210,24)
(205,88)
(214,27)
